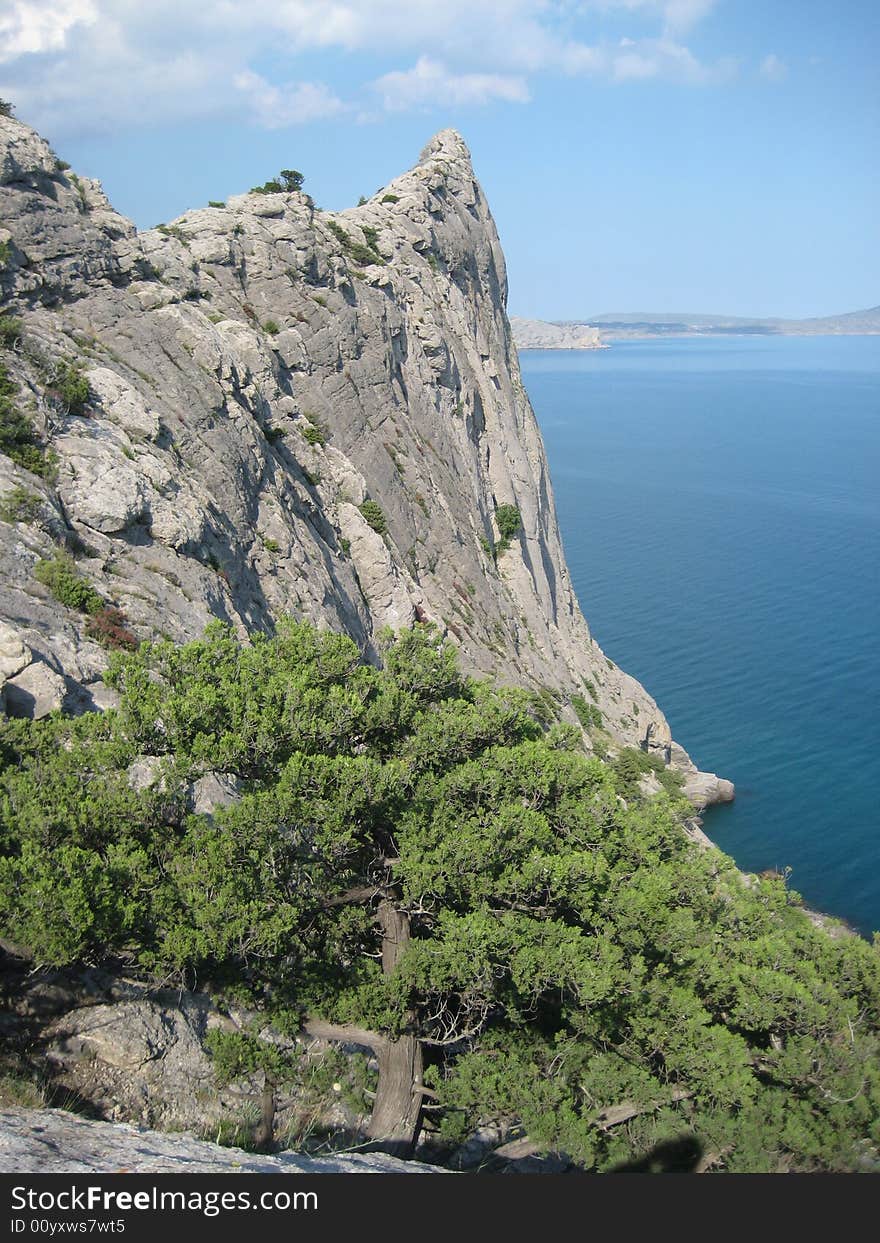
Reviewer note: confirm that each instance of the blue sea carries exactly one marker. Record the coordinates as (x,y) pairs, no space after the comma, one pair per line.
(719,500)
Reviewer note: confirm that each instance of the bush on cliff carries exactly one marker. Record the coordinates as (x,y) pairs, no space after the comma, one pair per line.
(419,865)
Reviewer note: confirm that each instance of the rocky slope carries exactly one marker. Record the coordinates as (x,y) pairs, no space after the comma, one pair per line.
(50,1141)
(256,372)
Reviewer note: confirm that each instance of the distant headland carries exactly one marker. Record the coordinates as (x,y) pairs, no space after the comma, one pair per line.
(594,332)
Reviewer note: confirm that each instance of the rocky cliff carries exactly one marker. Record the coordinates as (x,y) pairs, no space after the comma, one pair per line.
(285,411)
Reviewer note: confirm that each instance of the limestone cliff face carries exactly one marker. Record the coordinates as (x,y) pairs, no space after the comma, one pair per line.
(257,371)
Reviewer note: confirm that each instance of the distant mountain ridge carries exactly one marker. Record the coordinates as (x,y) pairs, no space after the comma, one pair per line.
(535,334)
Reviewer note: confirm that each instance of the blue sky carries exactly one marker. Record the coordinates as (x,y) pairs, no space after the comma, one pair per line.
(662,155)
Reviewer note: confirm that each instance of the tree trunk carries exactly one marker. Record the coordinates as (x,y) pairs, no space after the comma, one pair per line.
(396,1117)
(264,1136)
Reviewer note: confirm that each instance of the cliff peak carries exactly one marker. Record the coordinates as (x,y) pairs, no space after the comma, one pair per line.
(447,144)
(286,412)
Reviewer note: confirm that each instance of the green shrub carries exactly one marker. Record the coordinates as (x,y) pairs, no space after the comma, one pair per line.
(20,505)
(374,516)
(632,764)
(274,434)
(67,585)
(6,108)
(390,198)
(172,230)
(10,330)
(509,521)
(18,439)
(272,327)
(313,434)
(270,545)
(287,180)
(588,714)
(5,254)
(358,252)
(70,388)
(81,191)
(216,203)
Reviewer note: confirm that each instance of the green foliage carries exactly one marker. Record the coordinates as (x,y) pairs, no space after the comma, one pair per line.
(632,764)
(5,254)
(236,1055)
(509,522)
(70,388)
(173,230)
(67,585)
(81,191)
(270,545)
(10,330)
(20,505)
(286,181)
(6,108)
(375,516)
(272,327)
(570,952)
(313,434)
(291,179)
(359,252)
(216,203)
(390,198)
(588,714)
(18,439)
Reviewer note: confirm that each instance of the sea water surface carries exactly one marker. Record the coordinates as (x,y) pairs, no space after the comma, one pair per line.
(719,500)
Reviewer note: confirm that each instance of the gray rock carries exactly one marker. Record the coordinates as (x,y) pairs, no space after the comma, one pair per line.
(191,473)
(50,1141)
(213,790)
(704,789)
(14,654)
(35,692)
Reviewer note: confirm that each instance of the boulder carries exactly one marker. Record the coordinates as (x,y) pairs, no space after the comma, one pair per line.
(35,692)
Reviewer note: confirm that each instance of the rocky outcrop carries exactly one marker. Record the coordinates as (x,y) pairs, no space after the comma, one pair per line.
(257,372)
(51,1141)
(537,334)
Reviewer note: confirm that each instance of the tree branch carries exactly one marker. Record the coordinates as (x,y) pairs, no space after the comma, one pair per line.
(344,1033)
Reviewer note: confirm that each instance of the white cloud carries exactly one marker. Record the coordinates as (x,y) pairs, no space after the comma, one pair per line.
(430,83)
(773,69)
(678,16)
(101,64)
(33,26)
(665,58)
(293,103)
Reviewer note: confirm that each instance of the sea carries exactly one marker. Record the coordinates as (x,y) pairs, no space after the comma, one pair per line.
(719,502)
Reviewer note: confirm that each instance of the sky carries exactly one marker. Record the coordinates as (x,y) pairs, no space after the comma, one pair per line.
(638,155)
